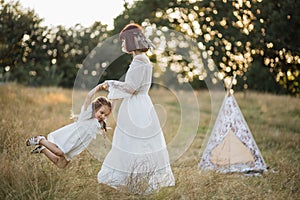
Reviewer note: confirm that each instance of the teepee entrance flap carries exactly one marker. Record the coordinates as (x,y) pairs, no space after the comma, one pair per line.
(231,151)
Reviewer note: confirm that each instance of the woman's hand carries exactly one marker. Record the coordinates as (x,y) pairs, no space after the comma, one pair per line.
(103,86)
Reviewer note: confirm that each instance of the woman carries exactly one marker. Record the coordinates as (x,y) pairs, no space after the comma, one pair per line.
(139,159)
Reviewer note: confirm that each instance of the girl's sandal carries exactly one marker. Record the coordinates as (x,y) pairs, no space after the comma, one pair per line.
(34,140)
(38,149)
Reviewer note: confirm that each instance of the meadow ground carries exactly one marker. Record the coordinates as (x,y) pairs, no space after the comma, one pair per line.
(273,120)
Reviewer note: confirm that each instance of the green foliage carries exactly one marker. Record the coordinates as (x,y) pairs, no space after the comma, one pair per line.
(260,79)
(235,33)
(247,38)
(16,26)
(36,55)
(280,21)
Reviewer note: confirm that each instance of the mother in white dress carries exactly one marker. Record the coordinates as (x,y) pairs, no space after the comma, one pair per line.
(138,159)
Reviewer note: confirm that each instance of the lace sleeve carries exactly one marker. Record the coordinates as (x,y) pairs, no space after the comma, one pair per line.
(133,81)
(118,90)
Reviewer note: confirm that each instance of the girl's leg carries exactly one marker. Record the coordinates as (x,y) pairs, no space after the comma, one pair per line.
(59,161)
(54,153)
(52,147)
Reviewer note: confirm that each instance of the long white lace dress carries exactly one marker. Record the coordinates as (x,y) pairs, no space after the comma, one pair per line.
(139,155)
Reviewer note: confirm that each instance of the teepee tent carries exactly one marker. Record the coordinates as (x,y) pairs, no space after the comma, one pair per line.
(231,146)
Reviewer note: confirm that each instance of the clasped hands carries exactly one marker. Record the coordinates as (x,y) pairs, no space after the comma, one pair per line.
(103,86)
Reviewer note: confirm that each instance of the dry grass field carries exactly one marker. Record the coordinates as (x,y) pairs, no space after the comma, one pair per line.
(273,120)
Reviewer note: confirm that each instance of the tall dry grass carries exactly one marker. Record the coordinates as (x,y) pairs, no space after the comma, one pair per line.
(273,121)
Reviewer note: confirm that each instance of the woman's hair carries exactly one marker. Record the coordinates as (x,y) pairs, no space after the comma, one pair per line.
(96,105)
(134,38)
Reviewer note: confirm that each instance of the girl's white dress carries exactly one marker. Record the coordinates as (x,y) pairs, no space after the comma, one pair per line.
(139,152)
(72,139)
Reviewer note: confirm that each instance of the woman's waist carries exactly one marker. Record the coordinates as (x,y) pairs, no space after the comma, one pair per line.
(141,92)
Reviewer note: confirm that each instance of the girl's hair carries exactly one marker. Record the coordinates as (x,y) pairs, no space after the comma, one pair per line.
(96,105)
(134,38)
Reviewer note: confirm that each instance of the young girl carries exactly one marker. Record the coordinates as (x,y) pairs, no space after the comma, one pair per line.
(65,143)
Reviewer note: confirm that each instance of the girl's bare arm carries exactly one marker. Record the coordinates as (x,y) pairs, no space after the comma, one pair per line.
(90,95)
(92,92)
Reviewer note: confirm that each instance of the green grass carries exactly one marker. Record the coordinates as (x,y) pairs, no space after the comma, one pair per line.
(273,121)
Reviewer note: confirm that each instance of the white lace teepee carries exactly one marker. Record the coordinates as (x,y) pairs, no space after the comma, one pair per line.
(231,146)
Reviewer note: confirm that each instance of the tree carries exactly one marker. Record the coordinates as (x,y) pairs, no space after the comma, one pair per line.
(231,32)
(16,28)
(36,55)
(280,43)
